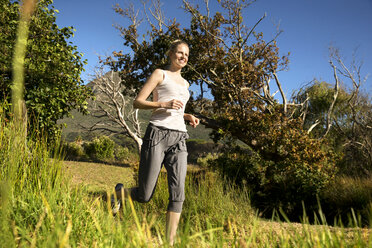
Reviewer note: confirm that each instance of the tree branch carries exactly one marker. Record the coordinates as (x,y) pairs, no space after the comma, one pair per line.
(281,92)
(114,106)
(335,94)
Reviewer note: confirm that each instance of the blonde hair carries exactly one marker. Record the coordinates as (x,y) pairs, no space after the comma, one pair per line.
(173,46)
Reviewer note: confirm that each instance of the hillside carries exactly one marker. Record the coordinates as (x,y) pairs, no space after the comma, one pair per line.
(75,126)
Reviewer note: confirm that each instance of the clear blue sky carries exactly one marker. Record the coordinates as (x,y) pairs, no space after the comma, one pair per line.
(309,26)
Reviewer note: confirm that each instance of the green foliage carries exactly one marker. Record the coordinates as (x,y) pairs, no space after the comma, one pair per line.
(289,169)
(121,153)
(101,148)
(24,163)
(210,197)
(73,150)
(52,66)
(351,119)
(40,208)
(126,155)
(284,166)
(205,161)
(320,97)
(198,149)
(346,194)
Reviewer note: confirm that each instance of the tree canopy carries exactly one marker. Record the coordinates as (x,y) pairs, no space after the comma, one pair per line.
(53,66)
(229,60)
(351,123)
(232,63)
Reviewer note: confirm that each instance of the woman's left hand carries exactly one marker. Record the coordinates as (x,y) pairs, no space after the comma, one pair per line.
(193,121)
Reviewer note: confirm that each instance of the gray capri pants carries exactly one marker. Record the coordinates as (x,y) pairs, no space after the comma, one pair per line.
(162,146)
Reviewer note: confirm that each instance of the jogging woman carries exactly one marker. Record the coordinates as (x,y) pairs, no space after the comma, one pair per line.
(165,138)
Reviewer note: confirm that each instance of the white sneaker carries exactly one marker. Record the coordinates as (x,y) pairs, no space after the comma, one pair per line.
(115,206)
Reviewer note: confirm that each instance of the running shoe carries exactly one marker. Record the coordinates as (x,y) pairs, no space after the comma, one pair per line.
(115,205)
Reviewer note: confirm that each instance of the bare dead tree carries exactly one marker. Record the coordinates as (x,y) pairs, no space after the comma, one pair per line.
(115,111)
(335,94)
(156,13)
(284,98)
(302,107)
(358,133)
(130,13)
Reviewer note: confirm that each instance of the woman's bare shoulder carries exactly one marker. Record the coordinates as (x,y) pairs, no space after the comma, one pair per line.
(158,73)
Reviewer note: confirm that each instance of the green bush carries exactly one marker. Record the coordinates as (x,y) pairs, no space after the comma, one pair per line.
(283,165)
(198,148)
(121,153)
(346,194)
(281,184)
(73,150)
(101,148)
(207,159)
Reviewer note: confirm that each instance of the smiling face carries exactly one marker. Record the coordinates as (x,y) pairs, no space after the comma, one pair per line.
(179,55)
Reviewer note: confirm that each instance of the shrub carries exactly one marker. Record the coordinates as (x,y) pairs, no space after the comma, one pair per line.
(347,193)
(73,150)
(207,159)
(101,148)
(284,183)
(198,148)
(122,154)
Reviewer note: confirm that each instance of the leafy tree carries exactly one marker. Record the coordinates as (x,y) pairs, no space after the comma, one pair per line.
(233,64)
(349,125)
(229,60)
(319,98)
(284,184)
(52,66)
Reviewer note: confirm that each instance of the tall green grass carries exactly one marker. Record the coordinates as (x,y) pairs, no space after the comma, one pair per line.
(39,208)
(347,195)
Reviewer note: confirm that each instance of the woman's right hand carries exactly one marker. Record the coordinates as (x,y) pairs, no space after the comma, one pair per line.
(172,104)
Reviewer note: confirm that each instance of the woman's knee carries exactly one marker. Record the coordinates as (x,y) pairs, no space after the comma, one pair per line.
(145,197)
(175,206)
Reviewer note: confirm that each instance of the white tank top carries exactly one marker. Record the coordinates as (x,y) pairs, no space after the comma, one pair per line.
(166,91)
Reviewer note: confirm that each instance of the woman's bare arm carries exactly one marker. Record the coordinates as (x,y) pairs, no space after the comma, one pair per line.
(193,121)
(141,101)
